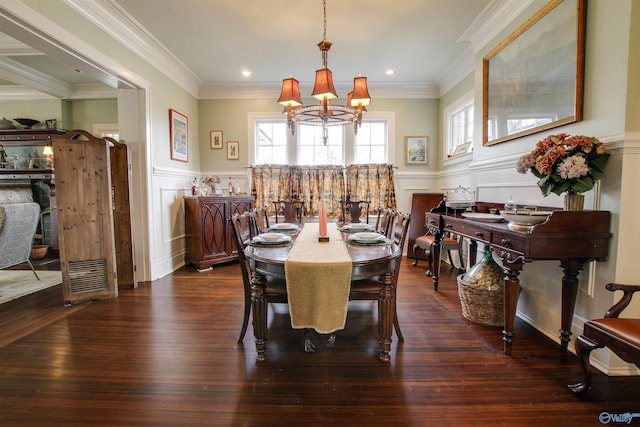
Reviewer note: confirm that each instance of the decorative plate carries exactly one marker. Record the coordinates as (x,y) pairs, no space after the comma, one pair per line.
(284,226)
(483,217)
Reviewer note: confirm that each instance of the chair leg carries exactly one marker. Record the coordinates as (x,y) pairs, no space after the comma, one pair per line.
(415,254)
(245,321)
(396,326)
(33,269)
(584,346)
(429,271)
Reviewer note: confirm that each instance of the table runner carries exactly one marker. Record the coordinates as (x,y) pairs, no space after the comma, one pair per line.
(318,280)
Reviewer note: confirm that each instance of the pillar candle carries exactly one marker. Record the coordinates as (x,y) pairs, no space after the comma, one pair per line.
(322,217)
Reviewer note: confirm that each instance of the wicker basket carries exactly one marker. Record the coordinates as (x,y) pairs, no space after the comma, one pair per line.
(38,251)
(480,304)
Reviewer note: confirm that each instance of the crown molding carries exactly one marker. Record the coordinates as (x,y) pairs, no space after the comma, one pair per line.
(120,25)
(460,68)
(492,20)
(22,93)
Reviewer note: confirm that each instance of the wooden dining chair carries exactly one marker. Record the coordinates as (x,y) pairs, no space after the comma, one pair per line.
(261,219)
(369,289)
(618,334)
(241,226)
(426,243)
(352,210)
(289,210)
(385,220)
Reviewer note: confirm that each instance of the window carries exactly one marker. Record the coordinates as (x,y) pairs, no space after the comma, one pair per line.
(371,142)
(311,148)
(459,125)
(273,143)
(110,130)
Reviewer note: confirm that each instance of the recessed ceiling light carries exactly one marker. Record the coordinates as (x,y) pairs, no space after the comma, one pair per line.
(390,72)
(246,73)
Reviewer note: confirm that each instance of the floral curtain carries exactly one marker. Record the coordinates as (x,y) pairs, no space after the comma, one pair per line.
(373,182)
(314,184)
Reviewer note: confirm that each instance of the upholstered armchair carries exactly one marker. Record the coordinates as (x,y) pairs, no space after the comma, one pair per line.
(18,223)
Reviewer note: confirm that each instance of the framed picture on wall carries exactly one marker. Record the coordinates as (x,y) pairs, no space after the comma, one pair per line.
(215,139)
(415,150)
(179,132)
(233,150)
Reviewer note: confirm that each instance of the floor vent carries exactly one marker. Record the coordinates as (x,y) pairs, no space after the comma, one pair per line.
(87,276)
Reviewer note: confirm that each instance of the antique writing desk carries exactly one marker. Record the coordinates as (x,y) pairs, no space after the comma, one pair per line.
(571,237)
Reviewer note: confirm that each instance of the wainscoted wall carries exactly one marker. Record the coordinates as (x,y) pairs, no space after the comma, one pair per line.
(170,187)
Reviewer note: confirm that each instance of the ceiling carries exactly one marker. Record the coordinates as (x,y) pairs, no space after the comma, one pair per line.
(213,41)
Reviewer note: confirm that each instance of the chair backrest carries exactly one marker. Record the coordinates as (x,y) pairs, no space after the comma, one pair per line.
(261,219)
(385,220)
(291,210)
(400,231)
(241,228)
(353,209)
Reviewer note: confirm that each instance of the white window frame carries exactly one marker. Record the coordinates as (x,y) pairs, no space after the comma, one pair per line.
(448,113)
(350,138)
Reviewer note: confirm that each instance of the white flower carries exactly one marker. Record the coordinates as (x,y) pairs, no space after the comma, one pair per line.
(573,167)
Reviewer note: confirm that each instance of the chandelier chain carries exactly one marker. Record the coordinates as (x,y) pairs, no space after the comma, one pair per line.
(324,22)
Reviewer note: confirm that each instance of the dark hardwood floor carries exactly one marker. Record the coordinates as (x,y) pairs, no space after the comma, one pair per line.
(165,354)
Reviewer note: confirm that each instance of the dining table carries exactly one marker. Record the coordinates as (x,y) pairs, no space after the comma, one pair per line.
(330,264)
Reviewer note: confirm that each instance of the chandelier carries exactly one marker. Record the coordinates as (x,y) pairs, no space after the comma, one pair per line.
(324,114)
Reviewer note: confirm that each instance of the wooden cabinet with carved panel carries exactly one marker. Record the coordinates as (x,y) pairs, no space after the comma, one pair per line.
(208,235)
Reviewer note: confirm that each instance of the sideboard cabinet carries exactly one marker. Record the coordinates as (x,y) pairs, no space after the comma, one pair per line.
(208,235)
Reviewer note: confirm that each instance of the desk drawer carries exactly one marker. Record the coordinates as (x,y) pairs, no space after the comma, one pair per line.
(469,230)
(509,242)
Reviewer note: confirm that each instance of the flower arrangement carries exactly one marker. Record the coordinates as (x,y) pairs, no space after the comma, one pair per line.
(211,180)
(565,164)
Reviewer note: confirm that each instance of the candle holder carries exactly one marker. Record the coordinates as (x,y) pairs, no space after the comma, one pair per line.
(323,238)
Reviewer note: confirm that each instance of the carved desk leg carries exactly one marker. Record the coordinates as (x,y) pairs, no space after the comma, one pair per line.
(435,256)
(571,269)
(259,309)
(511,293)
(386,315)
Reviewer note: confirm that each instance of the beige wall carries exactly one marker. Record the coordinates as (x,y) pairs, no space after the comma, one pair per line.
(42,109)
(84,113)
(414,117)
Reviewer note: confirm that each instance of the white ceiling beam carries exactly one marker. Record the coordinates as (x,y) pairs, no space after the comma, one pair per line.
(22,75)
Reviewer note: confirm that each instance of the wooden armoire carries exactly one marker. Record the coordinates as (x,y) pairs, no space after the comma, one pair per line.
(88,198)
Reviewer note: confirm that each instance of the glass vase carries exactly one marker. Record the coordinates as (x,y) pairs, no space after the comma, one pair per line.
(573,202)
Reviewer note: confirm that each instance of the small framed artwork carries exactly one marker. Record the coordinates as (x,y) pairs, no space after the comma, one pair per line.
(215,139)
(179,129)
(462,148)
(415,150)
(233,150)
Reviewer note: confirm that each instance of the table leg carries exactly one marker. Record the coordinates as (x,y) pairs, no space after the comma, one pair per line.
(259,310)
(435,256)
(473,252)
(511,293)
(386,314)
(571,268)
